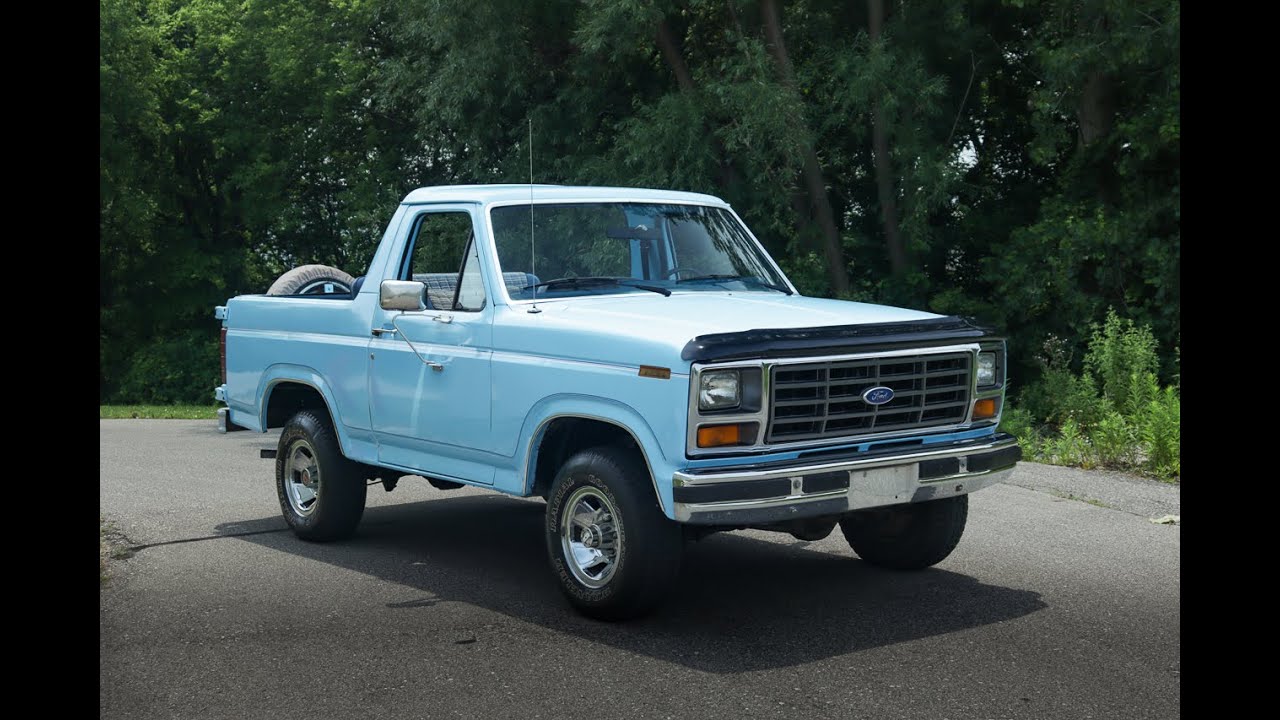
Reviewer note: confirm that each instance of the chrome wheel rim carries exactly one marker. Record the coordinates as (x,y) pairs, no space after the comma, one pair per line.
(589,537)
(302,478)
(322,287)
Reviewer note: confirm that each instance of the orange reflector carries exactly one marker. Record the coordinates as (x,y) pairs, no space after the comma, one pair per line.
(654,371)
(718,435)
(985,408)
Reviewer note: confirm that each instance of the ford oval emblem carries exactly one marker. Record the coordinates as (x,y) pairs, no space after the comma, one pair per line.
(878,395)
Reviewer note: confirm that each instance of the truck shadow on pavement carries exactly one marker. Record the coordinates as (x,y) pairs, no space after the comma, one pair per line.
(741,605)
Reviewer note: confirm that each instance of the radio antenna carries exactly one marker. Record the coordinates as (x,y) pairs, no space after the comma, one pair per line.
(533,258)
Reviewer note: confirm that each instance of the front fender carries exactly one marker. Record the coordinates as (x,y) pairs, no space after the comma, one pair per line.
(607,410)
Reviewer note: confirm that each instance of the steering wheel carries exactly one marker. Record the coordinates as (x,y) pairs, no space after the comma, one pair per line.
(687,270)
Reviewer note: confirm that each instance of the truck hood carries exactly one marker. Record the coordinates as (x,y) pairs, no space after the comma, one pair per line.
(649,329)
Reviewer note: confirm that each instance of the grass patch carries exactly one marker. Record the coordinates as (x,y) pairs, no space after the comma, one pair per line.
(112,545)
(1081,498)
(158,412)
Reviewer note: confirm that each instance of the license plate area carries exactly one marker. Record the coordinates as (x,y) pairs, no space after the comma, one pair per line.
(883,486)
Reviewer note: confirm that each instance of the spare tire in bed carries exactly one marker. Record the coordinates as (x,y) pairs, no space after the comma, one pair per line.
(312,280)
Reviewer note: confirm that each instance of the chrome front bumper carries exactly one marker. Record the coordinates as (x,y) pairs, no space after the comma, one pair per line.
(770,493)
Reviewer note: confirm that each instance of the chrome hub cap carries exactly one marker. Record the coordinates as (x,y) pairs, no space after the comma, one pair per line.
(302,478)
(589,536)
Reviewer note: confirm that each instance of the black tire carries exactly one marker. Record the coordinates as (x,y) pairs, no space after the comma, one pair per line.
(908,537)
(648,546)
(338,486)
(312,280)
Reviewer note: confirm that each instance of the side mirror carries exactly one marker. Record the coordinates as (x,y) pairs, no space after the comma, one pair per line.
(402,295)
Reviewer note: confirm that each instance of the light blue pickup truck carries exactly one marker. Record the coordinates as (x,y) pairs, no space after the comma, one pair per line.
(634,357)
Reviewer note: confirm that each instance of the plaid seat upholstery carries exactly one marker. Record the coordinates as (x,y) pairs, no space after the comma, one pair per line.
(441,287)
(517,281)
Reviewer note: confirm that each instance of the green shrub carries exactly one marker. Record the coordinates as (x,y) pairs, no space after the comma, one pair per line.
(1114,413)
(1060,396)
(1018,422)
(179,369)
(1162,435)
(1070,447)
(1033,447)
(1118,350)
(1114,440)
(1143,389)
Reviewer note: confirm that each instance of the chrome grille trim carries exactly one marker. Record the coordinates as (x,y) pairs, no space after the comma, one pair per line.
(822,400)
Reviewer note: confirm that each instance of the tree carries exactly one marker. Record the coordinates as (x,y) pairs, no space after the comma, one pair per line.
(1017,160)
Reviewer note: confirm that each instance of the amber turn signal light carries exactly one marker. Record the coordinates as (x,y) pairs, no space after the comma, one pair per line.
(719,435)
(984,408)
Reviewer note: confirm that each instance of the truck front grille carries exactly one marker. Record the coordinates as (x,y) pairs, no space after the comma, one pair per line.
(821,400)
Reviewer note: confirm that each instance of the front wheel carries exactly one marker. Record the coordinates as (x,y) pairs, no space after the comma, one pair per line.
(613,551)
(321,492)
(907,537)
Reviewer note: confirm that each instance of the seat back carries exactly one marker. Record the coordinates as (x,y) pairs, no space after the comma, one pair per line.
(441,287)
(518,281)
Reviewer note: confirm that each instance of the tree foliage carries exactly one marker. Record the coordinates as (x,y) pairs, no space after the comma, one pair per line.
(1028,149)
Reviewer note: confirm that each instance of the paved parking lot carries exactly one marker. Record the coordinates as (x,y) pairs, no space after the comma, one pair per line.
(443,606)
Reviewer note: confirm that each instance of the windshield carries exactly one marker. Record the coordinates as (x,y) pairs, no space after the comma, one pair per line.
(607,248)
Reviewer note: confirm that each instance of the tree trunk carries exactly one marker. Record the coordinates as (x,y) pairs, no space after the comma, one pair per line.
(1096,110)
(815,183)
(671,53)
(684,80)
(1095,113)
(884,168)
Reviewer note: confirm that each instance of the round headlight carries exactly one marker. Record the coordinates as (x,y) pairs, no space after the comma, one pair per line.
(719,390)
(986,369)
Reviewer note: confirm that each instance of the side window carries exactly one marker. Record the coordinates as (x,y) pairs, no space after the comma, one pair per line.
(470,287)
(443,255)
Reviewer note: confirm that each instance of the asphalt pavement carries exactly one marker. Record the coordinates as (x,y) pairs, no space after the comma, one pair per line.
(1062,601)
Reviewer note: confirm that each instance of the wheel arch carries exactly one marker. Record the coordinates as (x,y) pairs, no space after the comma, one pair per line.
(286,389)
(577,424)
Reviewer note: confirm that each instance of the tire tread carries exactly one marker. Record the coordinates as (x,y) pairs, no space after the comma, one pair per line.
(340,504)
(932,532)
(653,543)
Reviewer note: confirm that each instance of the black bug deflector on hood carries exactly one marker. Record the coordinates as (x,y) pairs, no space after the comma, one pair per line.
(835,339)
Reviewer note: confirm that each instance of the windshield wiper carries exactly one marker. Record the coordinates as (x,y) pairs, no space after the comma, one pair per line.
(586,282)
(743,278)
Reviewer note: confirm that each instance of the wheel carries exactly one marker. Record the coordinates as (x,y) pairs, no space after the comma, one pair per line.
(907,537)
(613,551)
(312,280)
(321,492)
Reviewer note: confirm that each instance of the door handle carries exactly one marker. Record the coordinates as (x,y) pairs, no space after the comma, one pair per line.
(379,332)
(442,318)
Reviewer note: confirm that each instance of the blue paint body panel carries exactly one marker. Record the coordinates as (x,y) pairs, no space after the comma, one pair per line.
(510,368)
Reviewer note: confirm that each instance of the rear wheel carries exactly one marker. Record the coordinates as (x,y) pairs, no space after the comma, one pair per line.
(908,537)
(613,551)
(321,492)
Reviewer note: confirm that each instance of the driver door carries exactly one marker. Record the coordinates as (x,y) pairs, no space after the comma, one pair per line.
(429,372)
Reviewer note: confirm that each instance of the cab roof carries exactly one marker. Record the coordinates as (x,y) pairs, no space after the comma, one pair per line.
(543,193)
